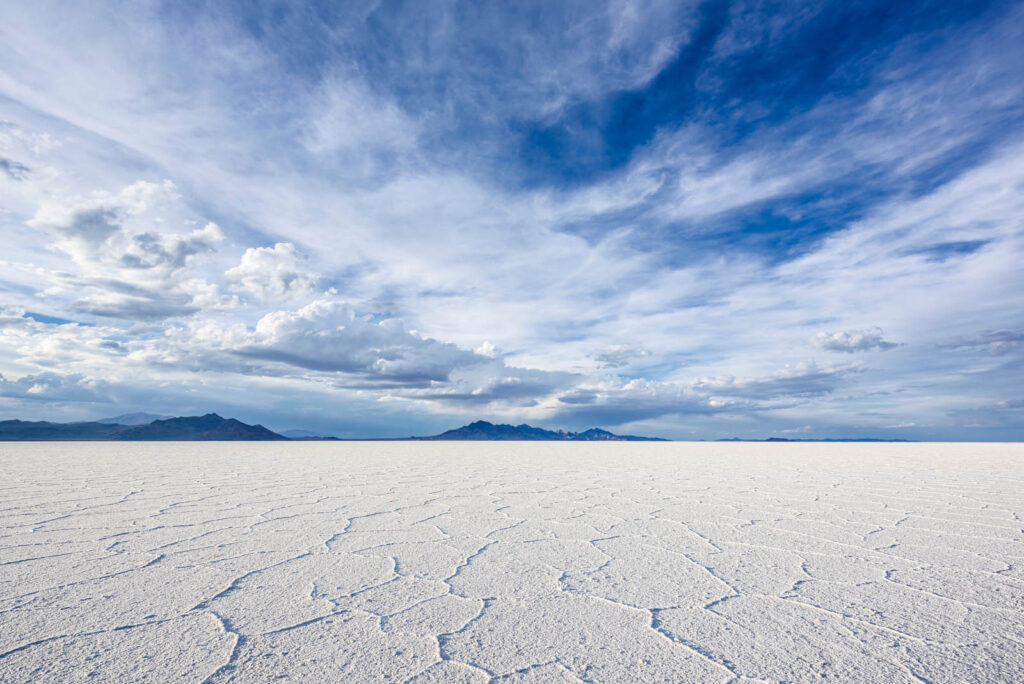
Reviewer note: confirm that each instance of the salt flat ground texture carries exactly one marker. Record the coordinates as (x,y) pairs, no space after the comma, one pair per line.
(524,562)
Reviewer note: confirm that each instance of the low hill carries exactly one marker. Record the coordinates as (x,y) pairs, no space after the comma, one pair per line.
(311,435)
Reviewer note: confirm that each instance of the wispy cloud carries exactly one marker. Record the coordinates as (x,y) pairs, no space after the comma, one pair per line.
(14,170)
(994,341)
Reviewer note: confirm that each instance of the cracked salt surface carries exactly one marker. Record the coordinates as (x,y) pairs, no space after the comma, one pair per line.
(518,562)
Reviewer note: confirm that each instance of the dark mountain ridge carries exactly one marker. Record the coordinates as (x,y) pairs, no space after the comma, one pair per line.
(210,427)
(481,430)
(42,430)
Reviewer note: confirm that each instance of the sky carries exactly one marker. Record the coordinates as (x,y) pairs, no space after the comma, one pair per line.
(692,220)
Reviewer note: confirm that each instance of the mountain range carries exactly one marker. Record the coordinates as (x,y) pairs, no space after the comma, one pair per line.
(481,430)
(210,427)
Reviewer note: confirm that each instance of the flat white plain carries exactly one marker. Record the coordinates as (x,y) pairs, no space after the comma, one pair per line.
(542,562)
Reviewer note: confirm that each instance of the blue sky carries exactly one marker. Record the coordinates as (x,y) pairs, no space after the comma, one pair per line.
(692,220)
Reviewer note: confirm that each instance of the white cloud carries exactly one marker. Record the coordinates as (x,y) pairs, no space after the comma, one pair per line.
(50,386)
(851,341)
(326,335)
(488,349)
(272,273)
(129,264)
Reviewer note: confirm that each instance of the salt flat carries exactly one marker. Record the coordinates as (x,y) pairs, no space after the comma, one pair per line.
(525,562)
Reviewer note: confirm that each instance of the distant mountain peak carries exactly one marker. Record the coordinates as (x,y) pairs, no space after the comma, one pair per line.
(208,427)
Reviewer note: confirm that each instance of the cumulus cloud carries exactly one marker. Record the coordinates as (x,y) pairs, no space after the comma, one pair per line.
(488,349)
(850,341)
(51,387)
(326,335)
(271,273)
(329,342)
(53,343)
(126,271)
(95,234)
